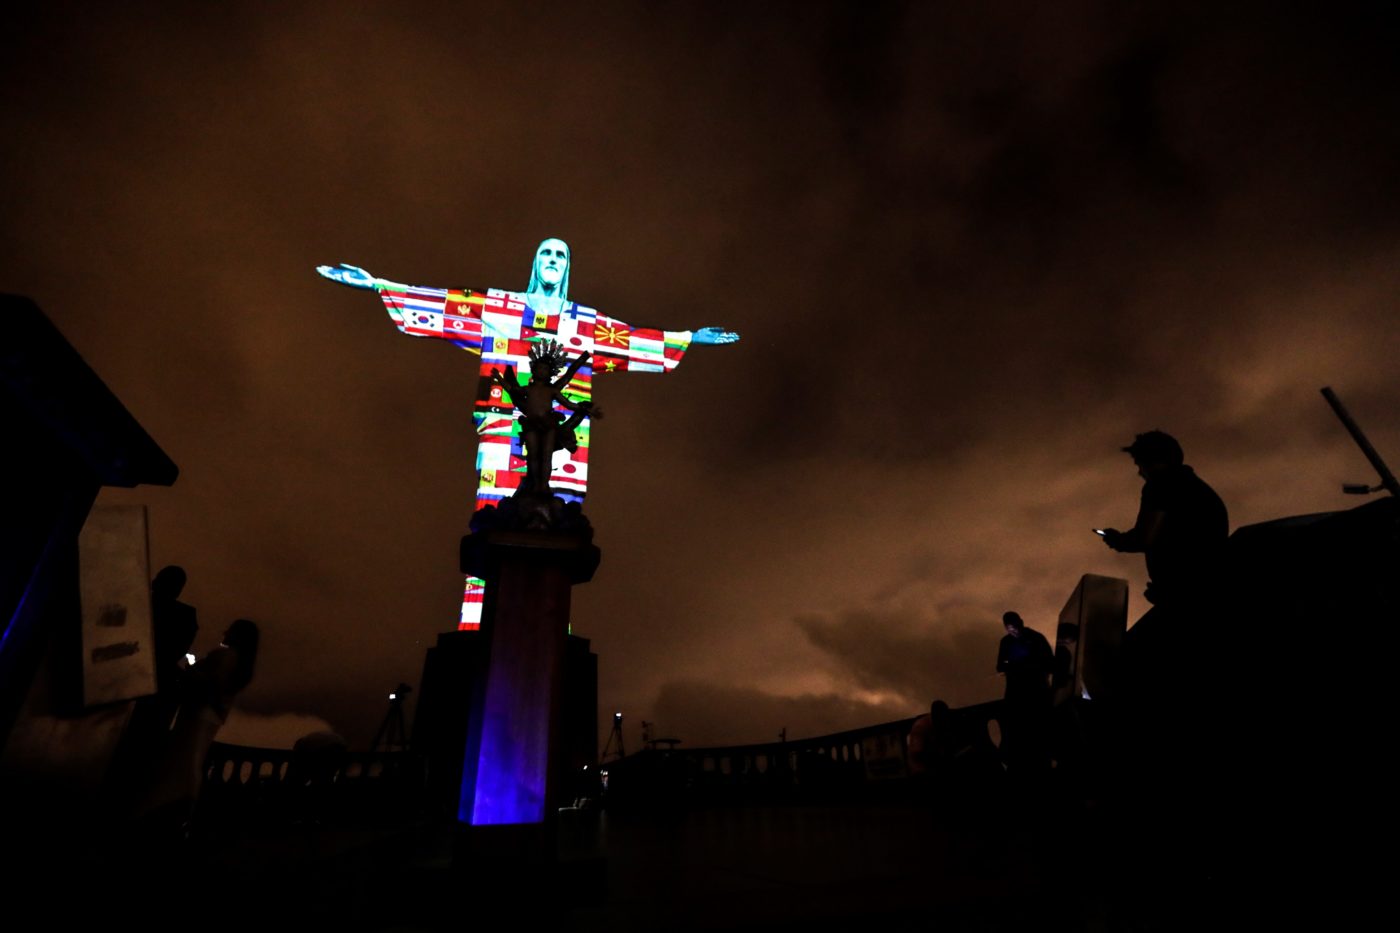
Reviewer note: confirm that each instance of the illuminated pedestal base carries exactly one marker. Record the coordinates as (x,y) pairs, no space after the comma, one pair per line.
(510,773)
(453,669)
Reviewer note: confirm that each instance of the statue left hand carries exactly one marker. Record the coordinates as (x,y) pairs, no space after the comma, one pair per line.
(713,335)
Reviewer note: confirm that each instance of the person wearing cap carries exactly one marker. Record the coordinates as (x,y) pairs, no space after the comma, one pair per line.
(1181,526)
(1025,659)
(1166,667)
(1170,666)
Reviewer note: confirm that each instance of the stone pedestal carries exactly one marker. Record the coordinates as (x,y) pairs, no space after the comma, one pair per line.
(510,773)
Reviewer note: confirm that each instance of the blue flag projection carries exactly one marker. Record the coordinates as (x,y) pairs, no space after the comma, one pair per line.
(500,327)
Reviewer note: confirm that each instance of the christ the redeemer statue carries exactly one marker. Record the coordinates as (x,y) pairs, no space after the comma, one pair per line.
(500,327)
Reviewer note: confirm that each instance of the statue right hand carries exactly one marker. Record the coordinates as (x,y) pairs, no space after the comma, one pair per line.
(347,274)
(713,336)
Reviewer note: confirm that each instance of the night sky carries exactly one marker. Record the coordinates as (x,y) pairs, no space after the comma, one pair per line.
(972,250)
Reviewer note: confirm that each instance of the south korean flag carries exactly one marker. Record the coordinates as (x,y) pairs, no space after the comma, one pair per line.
(420,323)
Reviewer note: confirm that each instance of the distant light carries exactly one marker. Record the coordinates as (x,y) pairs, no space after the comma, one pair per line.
(1084,692)
(393,696)
(189,658)
(585,767)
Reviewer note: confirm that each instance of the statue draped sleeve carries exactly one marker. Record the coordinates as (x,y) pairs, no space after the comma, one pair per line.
(453,315)
(620,347)
(456,315)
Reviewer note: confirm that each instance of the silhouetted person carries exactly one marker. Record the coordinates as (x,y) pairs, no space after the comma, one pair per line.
(1169,669)
(1181,524)
(925,752)
(207,694)
(958,773)
(317,759)
(143,741)
(1181,529)
(943,750)
(175,625)
(1026,661)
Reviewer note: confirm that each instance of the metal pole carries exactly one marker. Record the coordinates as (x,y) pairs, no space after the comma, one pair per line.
(1387,478)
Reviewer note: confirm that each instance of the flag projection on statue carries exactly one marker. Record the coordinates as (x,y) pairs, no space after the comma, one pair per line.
(500,327)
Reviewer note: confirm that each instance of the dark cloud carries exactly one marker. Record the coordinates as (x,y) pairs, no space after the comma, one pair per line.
(914,656)
(712,714)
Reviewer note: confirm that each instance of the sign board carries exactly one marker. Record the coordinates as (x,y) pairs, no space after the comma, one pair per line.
(114,587)
(1089,638)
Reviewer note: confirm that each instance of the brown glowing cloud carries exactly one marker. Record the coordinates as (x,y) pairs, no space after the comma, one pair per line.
(915,658)
(710,714)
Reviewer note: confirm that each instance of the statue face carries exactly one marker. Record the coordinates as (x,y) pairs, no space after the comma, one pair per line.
(552,261)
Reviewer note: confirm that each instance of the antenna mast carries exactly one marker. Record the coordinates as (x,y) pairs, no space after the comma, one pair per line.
(1388,481)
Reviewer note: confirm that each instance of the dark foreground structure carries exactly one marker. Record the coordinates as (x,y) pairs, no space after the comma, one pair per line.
(1247,791)
(62,677)
(1251,816)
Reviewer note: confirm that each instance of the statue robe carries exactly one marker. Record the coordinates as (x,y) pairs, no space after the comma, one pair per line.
(500,327)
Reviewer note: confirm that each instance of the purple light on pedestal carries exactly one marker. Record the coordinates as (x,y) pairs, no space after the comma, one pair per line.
(507,777)
(512,769)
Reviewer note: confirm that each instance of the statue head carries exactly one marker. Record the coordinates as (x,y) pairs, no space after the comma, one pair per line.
(549,275)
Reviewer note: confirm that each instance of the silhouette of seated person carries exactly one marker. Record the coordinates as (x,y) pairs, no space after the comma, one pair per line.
(1025,659)
(923,755)
(175,625)
(944,750)
(317,759)
(1181,529)
(173,628)
(207,695)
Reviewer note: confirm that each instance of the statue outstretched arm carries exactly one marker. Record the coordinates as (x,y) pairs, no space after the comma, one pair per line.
(449,314)
(621,347)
